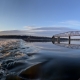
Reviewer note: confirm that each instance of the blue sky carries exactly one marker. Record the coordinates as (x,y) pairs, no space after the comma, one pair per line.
(28,14)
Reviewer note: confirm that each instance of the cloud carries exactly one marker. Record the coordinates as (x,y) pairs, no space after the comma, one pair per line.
(42,30)
(59,27)
(30,27)
(71,23)
(33,29)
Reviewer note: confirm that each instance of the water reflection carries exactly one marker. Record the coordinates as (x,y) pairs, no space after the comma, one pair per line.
(62,43)
(67,45)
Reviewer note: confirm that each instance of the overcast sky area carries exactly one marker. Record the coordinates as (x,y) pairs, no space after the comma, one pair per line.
(30,14)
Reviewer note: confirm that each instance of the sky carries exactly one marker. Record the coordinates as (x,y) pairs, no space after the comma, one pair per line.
(30,14)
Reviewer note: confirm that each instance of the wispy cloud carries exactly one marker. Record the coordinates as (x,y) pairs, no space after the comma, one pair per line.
(57,27)
(71,22)
(30,27)
(42,30)
(38,29)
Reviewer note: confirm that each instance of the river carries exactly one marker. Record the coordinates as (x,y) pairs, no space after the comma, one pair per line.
(20,60)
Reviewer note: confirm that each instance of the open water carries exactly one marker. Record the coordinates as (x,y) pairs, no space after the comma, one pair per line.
(20,60)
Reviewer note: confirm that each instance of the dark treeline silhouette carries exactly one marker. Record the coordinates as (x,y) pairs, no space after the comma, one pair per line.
(39,40)
(29,38)
(24,37)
